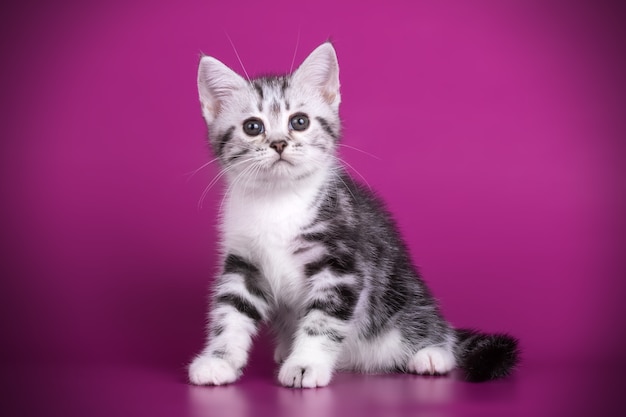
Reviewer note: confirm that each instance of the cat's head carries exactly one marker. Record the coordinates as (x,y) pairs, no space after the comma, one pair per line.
(277,129)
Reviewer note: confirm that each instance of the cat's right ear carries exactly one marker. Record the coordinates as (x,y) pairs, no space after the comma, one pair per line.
(216,82)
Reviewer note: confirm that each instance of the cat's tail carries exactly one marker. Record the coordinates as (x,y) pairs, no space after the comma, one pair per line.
(486,356)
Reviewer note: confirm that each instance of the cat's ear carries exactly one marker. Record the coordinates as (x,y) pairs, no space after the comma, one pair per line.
(216,83)
(321,71)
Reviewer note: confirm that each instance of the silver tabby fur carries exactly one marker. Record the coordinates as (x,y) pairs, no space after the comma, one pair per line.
(310,251)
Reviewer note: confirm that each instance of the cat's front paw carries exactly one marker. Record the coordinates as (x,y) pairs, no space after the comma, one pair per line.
(209,370)
(302,373)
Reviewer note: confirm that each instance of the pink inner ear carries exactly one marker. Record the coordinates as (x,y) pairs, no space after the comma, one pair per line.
(330,96)
(210,108)
(320,69)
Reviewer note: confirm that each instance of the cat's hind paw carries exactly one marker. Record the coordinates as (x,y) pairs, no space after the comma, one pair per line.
(209,370)
(432,360)
(299,373)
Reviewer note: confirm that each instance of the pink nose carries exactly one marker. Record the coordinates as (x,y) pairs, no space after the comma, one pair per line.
(279,145)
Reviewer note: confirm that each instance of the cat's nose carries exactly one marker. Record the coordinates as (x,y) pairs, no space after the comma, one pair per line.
(279,145)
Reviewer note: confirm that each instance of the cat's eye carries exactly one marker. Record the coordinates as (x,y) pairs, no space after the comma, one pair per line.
(253,127)
(299,122)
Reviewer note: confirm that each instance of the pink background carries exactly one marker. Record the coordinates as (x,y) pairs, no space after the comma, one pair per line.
(497,135)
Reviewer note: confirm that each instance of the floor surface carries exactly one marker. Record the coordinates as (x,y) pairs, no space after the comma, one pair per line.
(535,390)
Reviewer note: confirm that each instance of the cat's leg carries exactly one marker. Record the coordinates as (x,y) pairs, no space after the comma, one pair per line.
(320,333)
(237,308)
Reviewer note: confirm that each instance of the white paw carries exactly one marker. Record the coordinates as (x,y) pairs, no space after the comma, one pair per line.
(300,373)
(209,370)
(432,360)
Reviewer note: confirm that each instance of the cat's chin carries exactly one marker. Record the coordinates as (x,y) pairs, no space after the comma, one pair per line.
(287,175)
(284,174)
(282,168)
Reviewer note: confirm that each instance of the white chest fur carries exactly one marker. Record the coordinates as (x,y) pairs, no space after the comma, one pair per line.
(264,227)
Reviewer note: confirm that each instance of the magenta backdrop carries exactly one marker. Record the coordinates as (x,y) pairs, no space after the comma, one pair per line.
(496,134)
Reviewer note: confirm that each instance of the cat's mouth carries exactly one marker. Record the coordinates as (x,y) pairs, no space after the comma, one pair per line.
(281,161)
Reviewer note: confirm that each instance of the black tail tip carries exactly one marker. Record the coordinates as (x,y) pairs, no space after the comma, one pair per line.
(491,357)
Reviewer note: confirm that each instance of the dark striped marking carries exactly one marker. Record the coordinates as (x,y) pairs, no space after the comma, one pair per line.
(342,307)
(275,107)
(328,210)
(319,145)
(235,264)
(384,306)
(317,237)
(326,127)
(223,139)
(218,353)
(284,85)
(240,304)
(333,335)
(259,89)
(342,264)
(302,249)
(217,330)
(238,155)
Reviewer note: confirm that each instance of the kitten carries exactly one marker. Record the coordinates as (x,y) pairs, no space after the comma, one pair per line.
(310,251)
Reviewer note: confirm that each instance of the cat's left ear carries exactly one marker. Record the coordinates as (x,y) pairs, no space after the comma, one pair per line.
(321,71)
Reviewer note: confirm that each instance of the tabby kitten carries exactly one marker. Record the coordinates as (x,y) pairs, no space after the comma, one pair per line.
(312,252)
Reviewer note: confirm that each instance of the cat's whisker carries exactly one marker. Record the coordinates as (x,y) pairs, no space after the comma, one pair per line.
(256,173)
(238,179)
(237,55)
(293,59)
(355,170)
(360,150)
(248,178)
(191,174)
(216,179)
(228,189)
(347,188)
(233,184)
(336,172)
(219,175)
